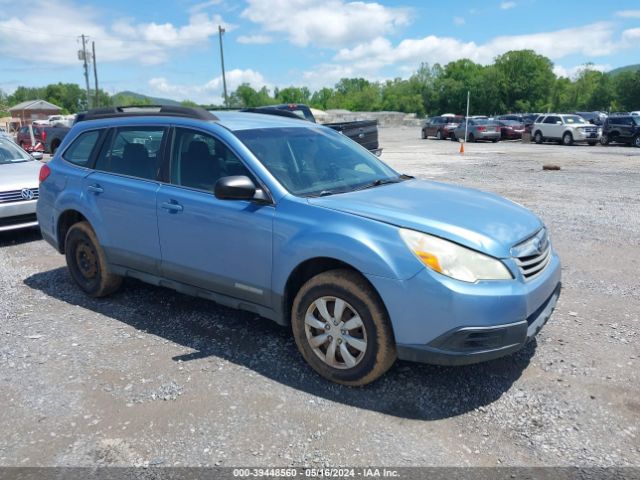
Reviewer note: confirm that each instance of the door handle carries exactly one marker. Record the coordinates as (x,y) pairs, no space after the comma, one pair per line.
(95,188)
(172,206)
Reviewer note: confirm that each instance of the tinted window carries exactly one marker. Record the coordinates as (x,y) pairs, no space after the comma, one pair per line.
(551,119)
(132,151)
(79,152)
(199,160)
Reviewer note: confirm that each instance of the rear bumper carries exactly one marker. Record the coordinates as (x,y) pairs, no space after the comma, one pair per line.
(467,345)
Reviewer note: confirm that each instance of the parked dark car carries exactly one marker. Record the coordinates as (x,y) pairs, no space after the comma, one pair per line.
(511,129)
(441,127)
(46,139)
(527,119)
(623,129)
(364,132)
(479,129)
(595,118)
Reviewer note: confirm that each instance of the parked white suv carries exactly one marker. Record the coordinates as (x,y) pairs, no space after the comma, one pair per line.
(565,129)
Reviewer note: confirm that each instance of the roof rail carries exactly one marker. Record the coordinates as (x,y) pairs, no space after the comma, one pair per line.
(272,111)
(147,111)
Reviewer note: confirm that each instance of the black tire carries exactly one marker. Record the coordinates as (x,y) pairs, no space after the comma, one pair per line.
(592,144)
(87,263)
(424,135)
(604,139)
(636,141)
(538,138)
(352,288)
(567,139)
(439,135)
(495,140)
(472,139)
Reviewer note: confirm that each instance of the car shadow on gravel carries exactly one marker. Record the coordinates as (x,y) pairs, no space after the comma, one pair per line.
(408,390)
(17,237)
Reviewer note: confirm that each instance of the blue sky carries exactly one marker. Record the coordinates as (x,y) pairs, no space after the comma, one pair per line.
(170,48)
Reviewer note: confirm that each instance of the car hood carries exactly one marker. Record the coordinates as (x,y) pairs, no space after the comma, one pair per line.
(16,176)
(481,221)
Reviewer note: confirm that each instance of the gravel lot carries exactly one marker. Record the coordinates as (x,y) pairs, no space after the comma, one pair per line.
(152,377)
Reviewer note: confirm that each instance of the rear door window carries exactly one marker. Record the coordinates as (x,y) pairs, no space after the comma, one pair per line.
(133,151)
(79,152)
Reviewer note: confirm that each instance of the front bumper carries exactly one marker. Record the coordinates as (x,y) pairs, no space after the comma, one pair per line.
(580,136)
(469,345)
(440,320)
(16,215)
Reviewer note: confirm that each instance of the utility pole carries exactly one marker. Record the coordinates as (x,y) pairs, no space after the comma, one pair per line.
(224,80)
(82,55)
(95,73)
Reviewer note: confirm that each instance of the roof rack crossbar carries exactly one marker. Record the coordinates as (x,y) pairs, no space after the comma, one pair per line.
(149,110)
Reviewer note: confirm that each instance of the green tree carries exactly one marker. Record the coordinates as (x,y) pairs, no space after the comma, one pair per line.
(524,76)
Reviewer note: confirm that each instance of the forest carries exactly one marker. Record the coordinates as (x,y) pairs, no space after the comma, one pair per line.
(517,81)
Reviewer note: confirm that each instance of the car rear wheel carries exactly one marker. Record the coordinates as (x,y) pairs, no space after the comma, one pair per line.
(439,135)
(87,263)
(636,141)
(424,135)
(342,328)
(472,139)
(567,139)
(604,139)
(538,138)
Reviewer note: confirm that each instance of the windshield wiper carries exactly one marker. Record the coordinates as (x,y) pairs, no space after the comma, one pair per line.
(377,183)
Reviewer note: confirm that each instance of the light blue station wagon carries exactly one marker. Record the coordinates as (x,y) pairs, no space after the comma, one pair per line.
(297,223)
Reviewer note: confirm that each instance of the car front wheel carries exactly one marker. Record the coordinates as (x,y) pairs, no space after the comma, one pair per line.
(87,263)
(604,139)
(567,139)
(636,141)
(342,328)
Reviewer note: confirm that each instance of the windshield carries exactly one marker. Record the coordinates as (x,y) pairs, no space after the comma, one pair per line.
(11,153)
(636,119)
(570,119)
(316,161)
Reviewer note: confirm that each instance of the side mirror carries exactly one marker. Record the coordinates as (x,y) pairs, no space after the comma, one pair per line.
(37,155)
(236,187)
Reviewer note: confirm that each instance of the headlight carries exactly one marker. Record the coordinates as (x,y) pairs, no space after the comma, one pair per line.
(453,260)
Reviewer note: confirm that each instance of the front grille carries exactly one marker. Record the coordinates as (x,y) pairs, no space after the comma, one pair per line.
(19,195)
(590,129)
(533,255)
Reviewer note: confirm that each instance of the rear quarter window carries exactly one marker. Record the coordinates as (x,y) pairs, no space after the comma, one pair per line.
(79,152)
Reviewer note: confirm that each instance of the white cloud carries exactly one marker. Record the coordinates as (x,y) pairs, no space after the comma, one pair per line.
(209,92)
(198,7)
(255,39)
(508,5)
(332,23)
(573,72)
(628,14)
(147,43)
(555,45)
(630,36)
(458,21)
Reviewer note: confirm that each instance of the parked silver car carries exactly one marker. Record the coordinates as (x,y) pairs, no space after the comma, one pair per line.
(478,129)
(19,173)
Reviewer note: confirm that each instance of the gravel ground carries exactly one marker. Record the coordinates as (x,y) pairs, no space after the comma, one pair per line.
(152,377)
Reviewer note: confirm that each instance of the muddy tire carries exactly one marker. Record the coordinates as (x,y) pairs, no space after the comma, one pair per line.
(342,328)
(87,263)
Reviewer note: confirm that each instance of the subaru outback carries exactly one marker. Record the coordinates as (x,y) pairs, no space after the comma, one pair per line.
(297,223)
